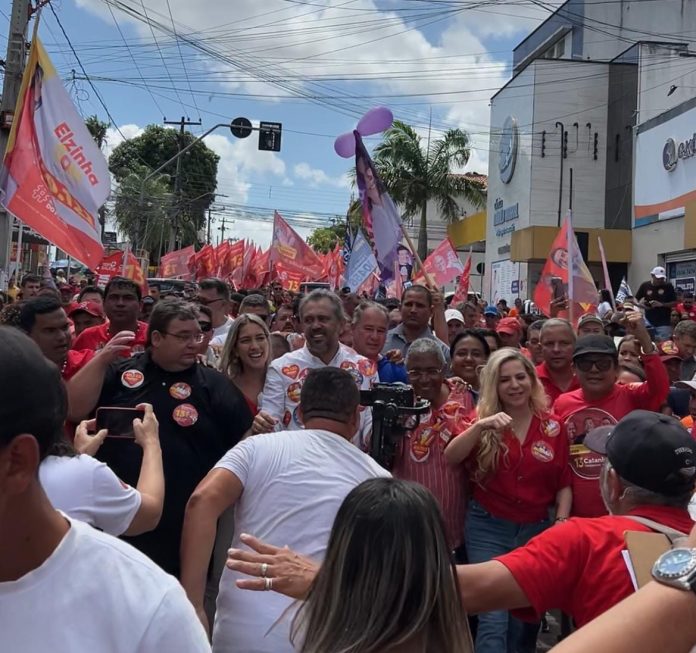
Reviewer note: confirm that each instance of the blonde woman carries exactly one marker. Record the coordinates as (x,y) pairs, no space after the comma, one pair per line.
(246,355)
(518,457)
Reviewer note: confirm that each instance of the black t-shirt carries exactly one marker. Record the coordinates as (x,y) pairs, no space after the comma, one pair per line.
(201,415)
(664,293)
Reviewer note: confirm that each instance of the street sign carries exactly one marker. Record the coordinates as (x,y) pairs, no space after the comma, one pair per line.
(241,127)
(109,238)
(269,136)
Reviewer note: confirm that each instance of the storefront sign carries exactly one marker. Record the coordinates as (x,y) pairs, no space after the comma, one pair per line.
(685,284)
(672,152)
(509,144)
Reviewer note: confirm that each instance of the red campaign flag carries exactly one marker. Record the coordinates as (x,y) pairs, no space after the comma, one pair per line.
(555,282)
(442,265)
(112,266)
(395,288)
(205,263)
(462,292)
(236,260)
(175,264)
(287,247)
(337,267)
(222,252)
(54,177)
(289,275)
(247,261)
(261,268)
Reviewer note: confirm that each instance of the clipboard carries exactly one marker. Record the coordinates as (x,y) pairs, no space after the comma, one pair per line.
(643,550)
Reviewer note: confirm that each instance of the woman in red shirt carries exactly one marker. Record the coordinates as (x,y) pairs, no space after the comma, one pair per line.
(519,465)
(246,355)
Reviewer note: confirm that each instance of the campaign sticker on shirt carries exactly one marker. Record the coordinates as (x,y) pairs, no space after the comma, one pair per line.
(583,462)
(185,415)
(180,390)
(367,367)
(357,377)
(294,390)
(303,374)
(291,371)
(132,378)
(296,416)
(552,428)
(542,451)
(348,365)
(287,416)
(420,444)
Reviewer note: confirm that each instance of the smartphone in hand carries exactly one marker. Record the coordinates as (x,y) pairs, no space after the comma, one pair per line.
(118,421)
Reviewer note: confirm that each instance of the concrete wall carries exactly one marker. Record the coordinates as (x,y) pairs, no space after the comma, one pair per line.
(650,244)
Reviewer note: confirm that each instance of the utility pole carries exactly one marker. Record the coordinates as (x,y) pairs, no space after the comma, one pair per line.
(222,230)
(183,123)
(14,67)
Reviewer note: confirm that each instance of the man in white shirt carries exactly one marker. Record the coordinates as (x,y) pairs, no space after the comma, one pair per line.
(50,564)
(215,294)
(286,486)
(322,320)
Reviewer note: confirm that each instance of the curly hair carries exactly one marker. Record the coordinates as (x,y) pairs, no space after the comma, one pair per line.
(491,444)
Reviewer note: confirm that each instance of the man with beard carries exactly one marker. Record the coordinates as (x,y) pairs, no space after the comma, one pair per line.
(322,320)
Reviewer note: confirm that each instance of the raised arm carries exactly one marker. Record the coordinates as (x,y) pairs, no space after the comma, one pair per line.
(215,493)
(461,446)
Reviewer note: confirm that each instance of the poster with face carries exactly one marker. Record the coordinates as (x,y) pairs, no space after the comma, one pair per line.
(583,462)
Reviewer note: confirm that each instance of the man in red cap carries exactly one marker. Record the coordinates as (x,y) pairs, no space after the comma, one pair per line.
(509,330)
(85,315)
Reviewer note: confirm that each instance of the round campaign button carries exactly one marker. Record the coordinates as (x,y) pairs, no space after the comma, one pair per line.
(180,390)
(132,378)
(185,415)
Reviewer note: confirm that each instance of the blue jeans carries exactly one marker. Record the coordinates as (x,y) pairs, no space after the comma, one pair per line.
(487,537)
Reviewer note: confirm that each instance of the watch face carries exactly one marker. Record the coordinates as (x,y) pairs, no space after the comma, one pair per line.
(676,563)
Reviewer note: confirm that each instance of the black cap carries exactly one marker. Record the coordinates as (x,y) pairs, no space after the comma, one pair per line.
(595,344)
(650,450)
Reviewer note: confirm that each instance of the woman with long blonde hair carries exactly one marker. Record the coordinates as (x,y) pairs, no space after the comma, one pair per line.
(388,582)
(246,356)
(518,456)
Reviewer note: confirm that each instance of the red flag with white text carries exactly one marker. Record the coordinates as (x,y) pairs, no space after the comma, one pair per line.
(289,248)
(462,292)
(442,265)
(112,266)
(175,264)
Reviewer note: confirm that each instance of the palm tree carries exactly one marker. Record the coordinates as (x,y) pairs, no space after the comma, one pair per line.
(413,175)
(98,128)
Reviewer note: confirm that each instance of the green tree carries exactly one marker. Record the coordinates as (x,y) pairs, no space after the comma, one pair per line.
(98,128)
(324,239)
(413,174)
(198,182)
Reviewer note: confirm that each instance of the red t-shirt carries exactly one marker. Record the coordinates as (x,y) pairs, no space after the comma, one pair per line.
(75,361)
(553,392)
(577,565)
(580,415)
(529,475)
(689,312)
(422,459)
(96,337)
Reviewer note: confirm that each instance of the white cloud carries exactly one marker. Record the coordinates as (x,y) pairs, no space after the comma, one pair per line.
(317,177)
(114,138)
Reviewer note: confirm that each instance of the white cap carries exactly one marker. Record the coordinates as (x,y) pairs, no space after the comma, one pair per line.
(453,314)
(658,272)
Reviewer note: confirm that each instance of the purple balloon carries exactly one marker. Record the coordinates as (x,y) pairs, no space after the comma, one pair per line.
(375,120)
(345,145)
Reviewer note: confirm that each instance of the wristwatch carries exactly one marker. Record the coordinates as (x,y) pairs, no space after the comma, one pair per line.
(676,568)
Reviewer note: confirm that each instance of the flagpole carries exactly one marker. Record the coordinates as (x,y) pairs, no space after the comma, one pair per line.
(605,269)
(19,247)
(428,279)
(571,254)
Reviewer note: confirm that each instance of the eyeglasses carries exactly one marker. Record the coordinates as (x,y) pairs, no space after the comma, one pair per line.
(196,338)
(206,327)
(207,302)
(431,373)
(603,364)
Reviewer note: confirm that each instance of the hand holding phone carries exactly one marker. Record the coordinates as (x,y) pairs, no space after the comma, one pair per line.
(118,421)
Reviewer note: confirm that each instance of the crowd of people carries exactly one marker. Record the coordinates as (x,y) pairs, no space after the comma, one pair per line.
(244,426)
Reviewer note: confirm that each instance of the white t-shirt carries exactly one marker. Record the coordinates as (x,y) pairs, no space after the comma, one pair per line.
(220,333)
(294,483)
(87,489)
(97,593)
(285,376)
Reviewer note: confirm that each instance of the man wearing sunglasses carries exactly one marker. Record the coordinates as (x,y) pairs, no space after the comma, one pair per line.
(201,415)
(215,294)
(601,401)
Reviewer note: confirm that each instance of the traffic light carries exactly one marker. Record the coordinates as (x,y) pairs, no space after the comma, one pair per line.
(269,136)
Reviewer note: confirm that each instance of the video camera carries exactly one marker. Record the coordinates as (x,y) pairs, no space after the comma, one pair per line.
(394,411)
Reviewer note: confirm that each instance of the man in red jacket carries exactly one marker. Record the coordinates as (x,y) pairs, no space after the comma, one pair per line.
(601,401)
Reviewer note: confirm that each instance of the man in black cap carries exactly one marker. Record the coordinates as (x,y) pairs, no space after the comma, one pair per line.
(601,401)
(647,479)
(126,602)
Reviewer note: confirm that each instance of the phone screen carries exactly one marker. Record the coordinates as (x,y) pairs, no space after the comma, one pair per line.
(558,289)
(118,421)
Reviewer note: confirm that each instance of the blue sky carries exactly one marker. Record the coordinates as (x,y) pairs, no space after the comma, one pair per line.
(313,65)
